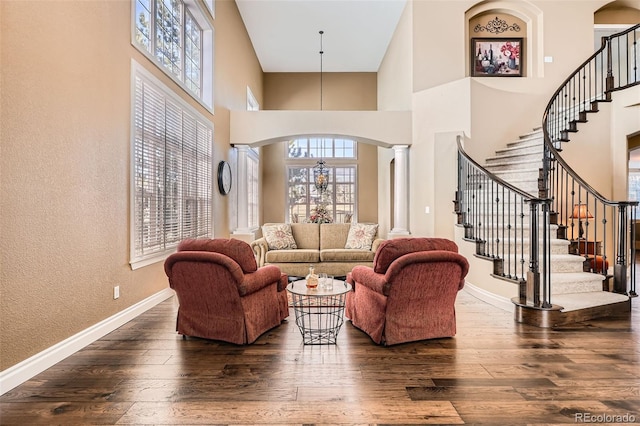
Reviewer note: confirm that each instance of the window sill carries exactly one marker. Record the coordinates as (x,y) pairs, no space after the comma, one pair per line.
(141,263)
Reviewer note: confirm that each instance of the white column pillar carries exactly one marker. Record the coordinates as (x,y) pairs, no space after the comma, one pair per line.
(242,231)
(401,192)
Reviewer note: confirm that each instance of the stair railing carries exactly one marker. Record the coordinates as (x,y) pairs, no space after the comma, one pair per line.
(599,229)
(506,225)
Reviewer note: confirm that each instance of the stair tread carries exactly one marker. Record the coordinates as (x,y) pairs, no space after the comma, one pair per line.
(535,170)
(575,301)
(517,154)
(521,145)
(572,277)
(496,160)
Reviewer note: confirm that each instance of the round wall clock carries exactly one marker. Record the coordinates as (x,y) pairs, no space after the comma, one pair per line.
(224,177)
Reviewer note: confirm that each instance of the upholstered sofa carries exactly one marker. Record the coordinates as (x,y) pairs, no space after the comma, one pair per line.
(325,246)
(409,294)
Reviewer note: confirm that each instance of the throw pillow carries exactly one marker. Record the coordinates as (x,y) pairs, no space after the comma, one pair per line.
(361,236)
(279,236)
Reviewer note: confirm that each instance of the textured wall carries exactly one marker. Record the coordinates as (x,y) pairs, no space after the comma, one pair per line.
(64,194)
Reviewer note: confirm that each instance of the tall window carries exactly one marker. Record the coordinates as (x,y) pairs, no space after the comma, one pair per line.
(253,174)
(175,35)
(304,200)
(634,177)
(171,171)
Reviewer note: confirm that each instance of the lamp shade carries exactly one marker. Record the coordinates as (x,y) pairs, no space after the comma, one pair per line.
(580,211)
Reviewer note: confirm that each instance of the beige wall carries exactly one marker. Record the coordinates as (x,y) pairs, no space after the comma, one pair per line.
(395,84)
(65,117)
(624,129)
(301,91)
(236,67)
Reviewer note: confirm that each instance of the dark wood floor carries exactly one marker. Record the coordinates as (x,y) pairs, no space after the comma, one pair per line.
(493,372)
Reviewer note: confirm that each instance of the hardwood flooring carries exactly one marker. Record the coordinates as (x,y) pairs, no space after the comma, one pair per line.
(493,372)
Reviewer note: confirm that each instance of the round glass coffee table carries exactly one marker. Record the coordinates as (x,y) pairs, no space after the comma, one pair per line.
(319,312)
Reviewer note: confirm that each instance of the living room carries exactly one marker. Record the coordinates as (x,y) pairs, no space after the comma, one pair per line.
(67,128)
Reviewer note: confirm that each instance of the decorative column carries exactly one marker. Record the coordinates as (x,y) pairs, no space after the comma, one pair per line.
(401,192)
(242,231)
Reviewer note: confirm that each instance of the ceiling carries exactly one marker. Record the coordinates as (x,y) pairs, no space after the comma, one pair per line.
(285,33)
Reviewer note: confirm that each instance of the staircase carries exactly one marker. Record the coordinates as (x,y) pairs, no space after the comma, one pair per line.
(521,207)
(576,295)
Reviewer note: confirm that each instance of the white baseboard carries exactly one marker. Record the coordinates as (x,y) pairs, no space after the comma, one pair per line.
(25,370)
(501,302)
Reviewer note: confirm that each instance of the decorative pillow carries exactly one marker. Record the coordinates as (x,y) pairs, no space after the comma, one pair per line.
(279,236)
(361,236)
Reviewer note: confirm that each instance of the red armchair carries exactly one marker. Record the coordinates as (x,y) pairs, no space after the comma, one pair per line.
(222,293)
(410,292)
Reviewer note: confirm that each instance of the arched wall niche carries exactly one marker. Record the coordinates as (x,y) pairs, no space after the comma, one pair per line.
(526,16)
(619,12)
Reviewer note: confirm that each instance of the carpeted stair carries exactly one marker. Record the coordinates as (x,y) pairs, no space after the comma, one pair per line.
(572,289)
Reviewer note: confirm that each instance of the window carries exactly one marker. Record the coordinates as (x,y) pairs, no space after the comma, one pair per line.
(252,103)
(340,197)
(322,148)
(253,189)
(171,171)
(175,35)
(634,177)
(211,6)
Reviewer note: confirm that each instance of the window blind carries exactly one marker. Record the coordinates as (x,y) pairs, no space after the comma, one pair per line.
(171,179)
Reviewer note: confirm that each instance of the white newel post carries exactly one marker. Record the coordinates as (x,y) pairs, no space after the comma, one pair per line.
(401,191)
(242,231)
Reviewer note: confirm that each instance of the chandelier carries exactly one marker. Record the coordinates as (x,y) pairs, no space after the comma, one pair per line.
(321,176)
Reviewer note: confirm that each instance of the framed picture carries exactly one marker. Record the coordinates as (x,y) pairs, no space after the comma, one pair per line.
(496,57)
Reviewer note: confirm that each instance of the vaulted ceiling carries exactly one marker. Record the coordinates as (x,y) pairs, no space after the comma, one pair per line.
(285,33)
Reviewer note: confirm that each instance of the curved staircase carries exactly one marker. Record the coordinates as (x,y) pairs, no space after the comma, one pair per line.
(524,209)
(575,294)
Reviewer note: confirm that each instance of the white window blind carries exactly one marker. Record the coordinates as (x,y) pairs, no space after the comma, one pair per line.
(171,176)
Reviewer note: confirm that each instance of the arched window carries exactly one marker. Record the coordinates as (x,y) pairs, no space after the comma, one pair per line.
(304,201)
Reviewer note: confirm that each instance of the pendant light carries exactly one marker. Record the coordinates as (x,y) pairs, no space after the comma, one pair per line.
(320,171)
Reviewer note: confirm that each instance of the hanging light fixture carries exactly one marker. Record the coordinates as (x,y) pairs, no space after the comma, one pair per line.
(321,176)
(320,171)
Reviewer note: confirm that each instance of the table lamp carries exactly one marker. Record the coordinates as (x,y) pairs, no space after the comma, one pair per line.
(580,212)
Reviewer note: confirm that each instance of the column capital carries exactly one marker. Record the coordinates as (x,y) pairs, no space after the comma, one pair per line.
(400,147)
(241,147)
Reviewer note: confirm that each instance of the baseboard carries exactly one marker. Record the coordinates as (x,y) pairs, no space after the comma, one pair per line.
(25,370)
(503,303)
